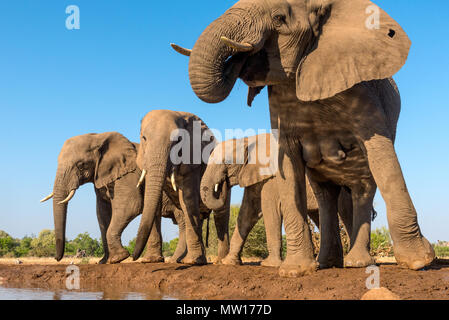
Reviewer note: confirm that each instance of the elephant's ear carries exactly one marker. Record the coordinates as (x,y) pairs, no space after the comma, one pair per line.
(194,125)
(116,158)
(257,163)
(357,41)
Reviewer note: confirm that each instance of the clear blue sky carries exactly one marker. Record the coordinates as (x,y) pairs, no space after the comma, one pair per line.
(56,83)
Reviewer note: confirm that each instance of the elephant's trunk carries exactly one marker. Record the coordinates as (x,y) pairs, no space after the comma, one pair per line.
(215,66)
(214,195)
(154,180)
(61,190)
(59,215)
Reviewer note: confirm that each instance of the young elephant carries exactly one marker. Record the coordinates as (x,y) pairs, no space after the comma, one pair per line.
(261,193)
(171,157)
(108,160)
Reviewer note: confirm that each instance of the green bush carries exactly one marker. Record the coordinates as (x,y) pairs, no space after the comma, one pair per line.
(441,251)
(24,247)
(131,245)
(83,241)
(44,244)
(255,245)
(381,244)
(168,248)
(7,244)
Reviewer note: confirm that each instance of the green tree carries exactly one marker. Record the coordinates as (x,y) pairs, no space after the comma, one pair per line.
(7,244)
(255,245)
(381,244)
(131,245)
(24,247)
(170,247)
(44,244)
(83,241)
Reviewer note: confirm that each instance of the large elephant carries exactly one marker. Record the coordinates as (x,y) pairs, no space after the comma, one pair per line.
(328,67)
(108,160)
(173,156)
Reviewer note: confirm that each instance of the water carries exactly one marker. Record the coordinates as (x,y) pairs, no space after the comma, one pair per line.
(49,294)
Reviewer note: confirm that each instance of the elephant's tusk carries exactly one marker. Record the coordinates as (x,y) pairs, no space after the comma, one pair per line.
(241,47)
(69,197)
(173,181)
(181,50)
(142,177)
(216,187)
(48,197)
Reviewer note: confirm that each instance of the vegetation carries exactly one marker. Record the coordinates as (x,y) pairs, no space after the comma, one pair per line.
(255,245)
(441,248)
(381,244)
(44,245)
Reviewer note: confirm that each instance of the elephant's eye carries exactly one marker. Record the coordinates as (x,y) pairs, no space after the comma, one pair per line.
(279,20)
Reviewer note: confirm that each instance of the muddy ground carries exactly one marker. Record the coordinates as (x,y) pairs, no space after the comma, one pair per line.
(231,282)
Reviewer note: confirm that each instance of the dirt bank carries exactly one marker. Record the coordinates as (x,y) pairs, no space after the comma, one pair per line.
(233,282)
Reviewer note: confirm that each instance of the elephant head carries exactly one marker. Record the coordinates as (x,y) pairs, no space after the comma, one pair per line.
(238,161)
(162,133)
(97,158)
(325,46)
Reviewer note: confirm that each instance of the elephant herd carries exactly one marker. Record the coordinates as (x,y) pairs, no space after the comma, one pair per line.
(334,109)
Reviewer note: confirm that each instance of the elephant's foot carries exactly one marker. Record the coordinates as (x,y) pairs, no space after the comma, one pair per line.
(103,260)
(358,258)
(152,258)
(271,261)
(327,261)
(194,259)
(415,254)
(294,267)
(231,260)
(176,258)
(119,256)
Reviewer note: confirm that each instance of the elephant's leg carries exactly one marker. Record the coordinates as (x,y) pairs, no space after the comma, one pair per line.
(271,210)
(292,190)
(181,248)
(221,219)
(126,205)
(104,213)
(247,218)
(153,254)
(345,210)
(331,251)
(120,220)
(411,248)
(189,199)
(362,199)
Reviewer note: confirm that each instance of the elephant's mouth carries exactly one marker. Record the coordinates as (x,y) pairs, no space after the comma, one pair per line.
(255,70)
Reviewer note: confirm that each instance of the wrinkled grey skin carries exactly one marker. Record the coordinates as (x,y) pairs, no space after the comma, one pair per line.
(331,97)
(154,157)
(108,160)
